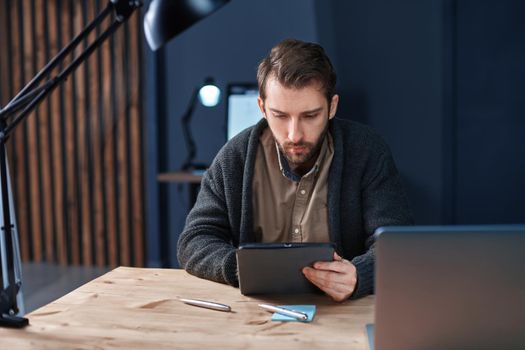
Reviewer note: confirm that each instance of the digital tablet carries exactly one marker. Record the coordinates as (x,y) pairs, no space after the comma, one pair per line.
(275,268)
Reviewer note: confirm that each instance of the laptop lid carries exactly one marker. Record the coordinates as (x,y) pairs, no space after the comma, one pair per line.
(450,287)
(242,109)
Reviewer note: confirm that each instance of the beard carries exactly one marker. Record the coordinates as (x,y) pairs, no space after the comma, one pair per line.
(302,153)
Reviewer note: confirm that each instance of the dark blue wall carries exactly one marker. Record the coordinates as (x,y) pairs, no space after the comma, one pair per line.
(441,80)
(389,62)
(490,120)
(227,46)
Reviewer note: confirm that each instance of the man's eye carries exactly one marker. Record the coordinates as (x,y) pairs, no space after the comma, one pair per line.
(279,116)
(310,116)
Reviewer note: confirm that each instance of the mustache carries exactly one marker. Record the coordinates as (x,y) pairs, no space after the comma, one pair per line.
(298,144)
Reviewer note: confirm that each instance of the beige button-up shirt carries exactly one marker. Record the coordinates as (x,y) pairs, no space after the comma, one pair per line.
(288,208)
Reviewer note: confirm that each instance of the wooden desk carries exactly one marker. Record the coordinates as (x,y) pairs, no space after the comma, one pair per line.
(136,308)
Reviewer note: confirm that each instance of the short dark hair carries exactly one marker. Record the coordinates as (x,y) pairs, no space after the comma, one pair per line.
(296,64)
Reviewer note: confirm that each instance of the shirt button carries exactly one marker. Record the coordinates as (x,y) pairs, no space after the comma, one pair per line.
(303,192)
(296,230)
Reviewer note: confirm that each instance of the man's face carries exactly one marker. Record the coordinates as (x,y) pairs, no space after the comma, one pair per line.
(298,119)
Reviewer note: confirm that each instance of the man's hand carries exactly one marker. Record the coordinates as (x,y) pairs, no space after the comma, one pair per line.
(337,278)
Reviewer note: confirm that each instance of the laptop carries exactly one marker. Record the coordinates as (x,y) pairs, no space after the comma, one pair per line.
(450,287)
(242,109)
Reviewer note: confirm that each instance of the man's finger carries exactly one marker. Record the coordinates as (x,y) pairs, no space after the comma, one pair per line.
(327,280)
(336,291)
(343,266)
(320,283)
(337,257)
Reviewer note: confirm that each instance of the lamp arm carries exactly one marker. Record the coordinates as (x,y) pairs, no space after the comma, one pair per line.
(8,303)
(19,102)
(59,78)
(123,10)
(59,57)
(188,138)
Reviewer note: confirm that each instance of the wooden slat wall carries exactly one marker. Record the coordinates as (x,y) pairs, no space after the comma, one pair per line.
(76,162)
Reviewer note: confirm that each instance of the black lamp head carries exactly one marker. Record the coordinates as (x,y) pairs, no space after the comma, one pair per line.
(167,18)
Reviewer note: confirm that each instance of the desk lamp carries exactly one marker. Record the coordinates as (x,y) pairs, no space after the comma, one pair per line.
(209,96)
(164,20)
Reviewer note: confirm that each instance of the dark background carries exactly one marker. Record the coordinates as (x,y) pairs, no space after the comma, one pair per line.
(441,80)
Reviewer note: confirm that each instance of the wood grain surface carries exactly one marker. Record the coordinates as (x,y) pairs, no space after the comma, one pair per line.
(137,308)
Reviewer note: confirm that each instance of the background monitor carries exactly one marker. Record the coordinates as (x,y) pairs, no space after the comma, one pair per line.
(242,110)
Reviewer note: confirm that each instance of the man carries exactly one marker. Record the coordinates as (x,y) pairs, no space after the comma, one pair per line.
(299,175)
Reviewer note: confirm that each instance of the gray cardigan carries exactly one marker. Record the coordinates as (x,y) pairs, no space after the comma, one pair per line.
(364,192)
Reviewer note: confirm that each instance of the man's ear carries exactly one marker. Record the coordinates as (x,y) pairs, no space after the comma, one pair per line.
(333,106)
(260,102)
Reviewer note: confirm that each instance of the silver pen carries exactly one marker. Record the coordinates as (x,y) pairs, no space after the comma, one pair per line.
(207,304)
(283,311)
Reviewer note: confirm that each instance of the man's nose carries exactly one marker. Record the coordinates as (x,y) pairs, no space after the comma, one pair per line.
(295,133)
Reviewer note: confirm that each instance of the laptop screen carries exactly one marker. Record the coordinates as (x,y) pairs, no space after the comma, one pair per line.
(242,110)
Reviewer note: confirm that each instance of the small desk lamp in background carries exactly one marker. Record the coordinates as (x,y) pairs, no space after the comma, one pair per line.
(164,20)
(208,95)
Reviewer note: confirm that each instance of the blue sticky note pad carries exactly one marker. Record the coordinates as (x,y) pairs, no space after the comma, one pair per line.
(370,333)
(307,309)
